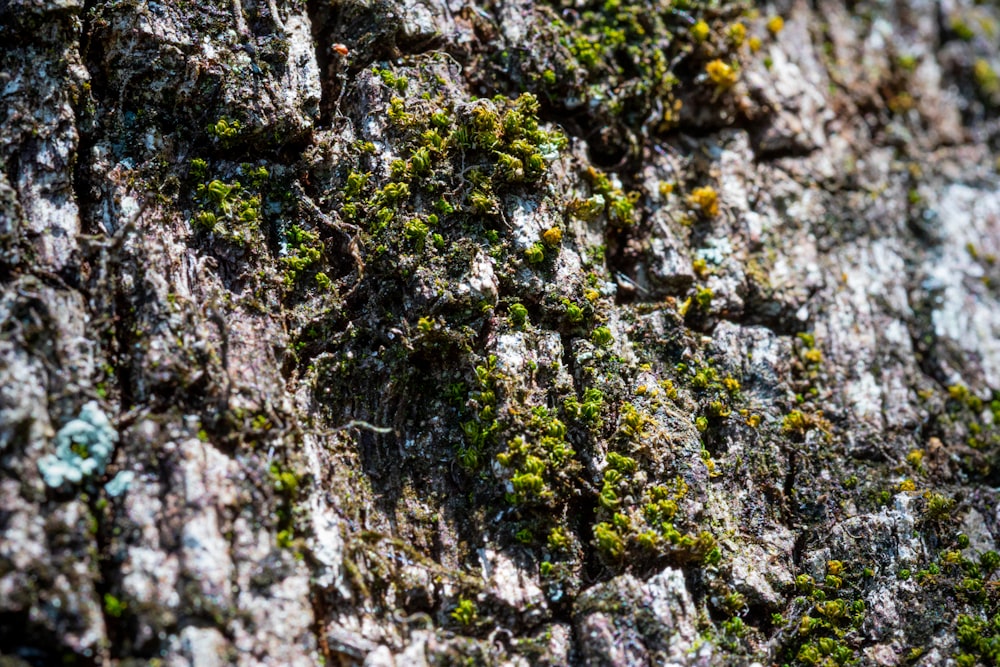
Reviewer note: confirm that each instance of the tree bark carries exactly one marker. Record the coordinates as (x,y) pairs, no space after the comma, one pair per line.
(413,332)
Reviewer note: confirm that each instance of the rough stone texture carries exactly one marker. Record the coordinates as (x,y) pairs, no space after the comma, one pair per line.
(506,333)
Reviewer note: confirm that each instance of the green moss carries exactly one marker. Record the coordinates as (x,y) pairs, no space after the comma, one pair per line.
(113,606)
(987,80)
(798,423)
(535,254)
(601,336)
(607,198)
(938,507)
(481,430)
(355,185)
(558,540)
(703,297)
(518,314)
(979,639)
(623,465)
(229,211)
(285,481)
(198,170)
(589,409)
(608,541)
(225,131)
(574,313)
(285,538)
(464,613)
(619,54)
(961,29)
(304,251)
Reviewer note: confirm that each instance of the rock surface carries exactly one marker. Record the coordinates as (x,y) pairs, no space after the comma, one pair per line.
(511,334)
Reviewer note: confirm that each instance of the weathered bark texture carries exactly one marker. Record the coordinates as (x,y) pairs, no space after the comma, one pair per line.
(414,332)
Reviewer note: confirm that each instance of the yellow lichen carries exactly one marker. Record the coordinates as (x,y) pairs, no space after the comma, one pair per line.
(723,75)
(706,200)
(552,236)
(986,78)
(736,33)
(700,31)
(671,114)
(775,25)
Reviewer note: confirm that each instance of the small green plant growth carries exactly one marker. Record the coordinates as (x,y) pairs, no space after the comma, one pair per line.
(616,204)
(113,606)
(285,538)
(987,81)
(228,211)
(454,165)
(480,431)
(285,481)
(464,613)
(303,251)
(541,463)
(588,410)
(703,299)
(697,307)
(825,616)
(632,421)
(976,420)
(574,313)
(535,253)
(979,639)
(601,336)
(199,170)
(718,397)
(225,131)
(646,518)
(524,536)
(518,314)
(390,79)
(621,54)
(608,541)
(937,507)
(961,29)
(558,540)
(733,628)
(797,423)
(286,485)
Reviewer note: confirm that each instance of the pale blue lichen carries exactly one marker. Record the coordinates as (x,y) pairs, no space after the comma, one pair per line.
(120,483)
(716,251)
(83,448)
